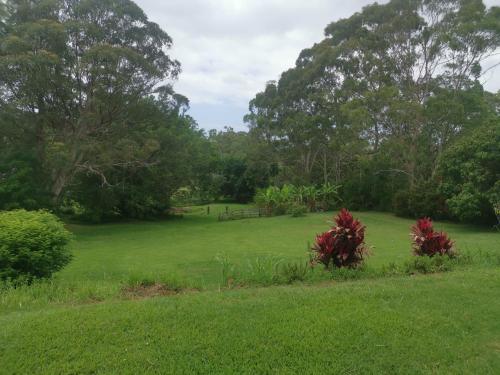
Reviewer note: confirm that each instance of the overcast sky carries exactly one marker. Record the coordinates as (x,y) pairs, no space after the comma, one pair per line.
(229,49)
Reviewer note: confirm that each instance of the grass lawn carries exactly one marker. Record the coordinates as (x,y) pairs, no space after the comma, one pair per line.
(445,324)
(188,247)
(442,323)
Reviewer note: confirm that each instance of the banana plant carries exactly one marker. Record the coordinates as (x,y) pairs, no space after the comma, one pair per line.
(329,195)
(311,195)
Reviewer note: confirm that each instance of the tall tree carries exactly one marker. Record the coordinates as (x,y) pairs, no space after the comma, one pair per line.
(387,91)
(71,75)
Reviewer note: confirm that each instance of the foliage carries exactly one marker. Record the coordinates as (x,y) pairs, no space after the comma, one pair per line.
(401,203)
(376,104)
(344,244)
(88,113)
(263,271)
(32,245)
(422,200)
(426,265)
(427,242)
(297,210)
(20,180)
(470,171)
(279,201)
(238,169)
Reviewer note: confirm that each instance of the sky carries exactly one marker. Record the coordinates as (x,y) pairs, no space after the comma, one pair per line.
(229,49)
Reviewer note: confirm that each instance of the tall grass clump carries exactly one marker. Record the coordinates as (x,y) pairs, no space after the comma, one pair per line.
(263,271)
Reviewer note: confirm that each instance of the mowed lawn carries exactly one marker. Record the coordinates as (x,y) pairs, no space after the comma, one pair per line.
(188,247)
(435,324)
(443,323)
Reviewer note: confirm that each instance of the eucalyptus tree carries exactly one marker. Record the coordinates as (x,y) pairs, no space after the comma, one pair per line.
(73,75)
(391,60)
(384,94)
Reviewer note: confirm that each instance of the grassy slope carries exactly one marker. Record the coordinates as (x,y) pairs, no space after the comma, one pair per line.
(427,324)
(442,323)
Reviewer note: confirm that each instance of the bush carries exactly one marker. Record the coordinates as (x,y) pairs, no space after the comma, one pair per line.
(427,242)
(469,173)
(279,201)
(294,271)
(33,244)
(343,245)
(297,210)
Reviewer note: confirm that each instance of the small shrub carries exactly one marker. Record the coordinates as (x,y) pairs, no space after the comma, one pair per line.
(427,242)
(297,210)
(343,245)
(32,245)
(262,271)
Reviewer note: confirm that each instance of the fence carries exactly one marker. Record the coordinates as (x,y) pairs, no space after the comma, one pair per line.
(243,214)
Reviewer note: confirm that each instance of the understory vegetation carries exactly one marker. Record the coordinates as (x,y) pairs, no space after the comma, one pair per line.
(297,199)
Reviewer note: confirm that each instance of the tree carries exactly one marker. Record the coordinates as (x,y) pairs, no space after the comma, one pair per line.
(72,75)
(470,173)
(240,164)
(375,104)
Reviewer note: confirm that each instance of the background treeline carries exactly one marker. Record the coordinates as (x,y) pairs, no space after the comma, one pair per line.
(389,106)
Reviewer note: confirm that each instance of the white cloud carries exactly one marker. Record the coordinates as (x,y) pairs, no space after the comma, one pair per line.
(229,49)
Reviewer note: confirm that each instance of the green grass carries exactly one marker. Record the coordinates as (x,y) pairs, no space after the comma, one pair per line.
(445,324)
(187,247)
(184,252)
(80,322)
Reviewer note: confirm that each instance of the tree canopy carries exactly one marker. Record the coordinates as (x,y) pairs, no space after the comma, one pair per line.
(375,104)
(389,105)
(87,110)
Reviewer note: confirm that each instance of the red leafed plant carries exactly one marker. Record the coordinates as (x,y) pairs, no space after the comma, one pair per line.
(428,242)
(343,245)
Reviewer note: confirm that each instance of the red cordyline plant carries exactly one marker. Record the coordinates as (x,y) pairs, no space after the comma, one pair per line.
(343,245)
(427,242)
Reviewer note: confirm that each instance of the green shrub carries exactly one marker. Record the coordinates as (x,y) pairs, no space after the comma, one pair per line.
(280,201)
(297,210)
(263,271)
(33,244)
(469,174)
